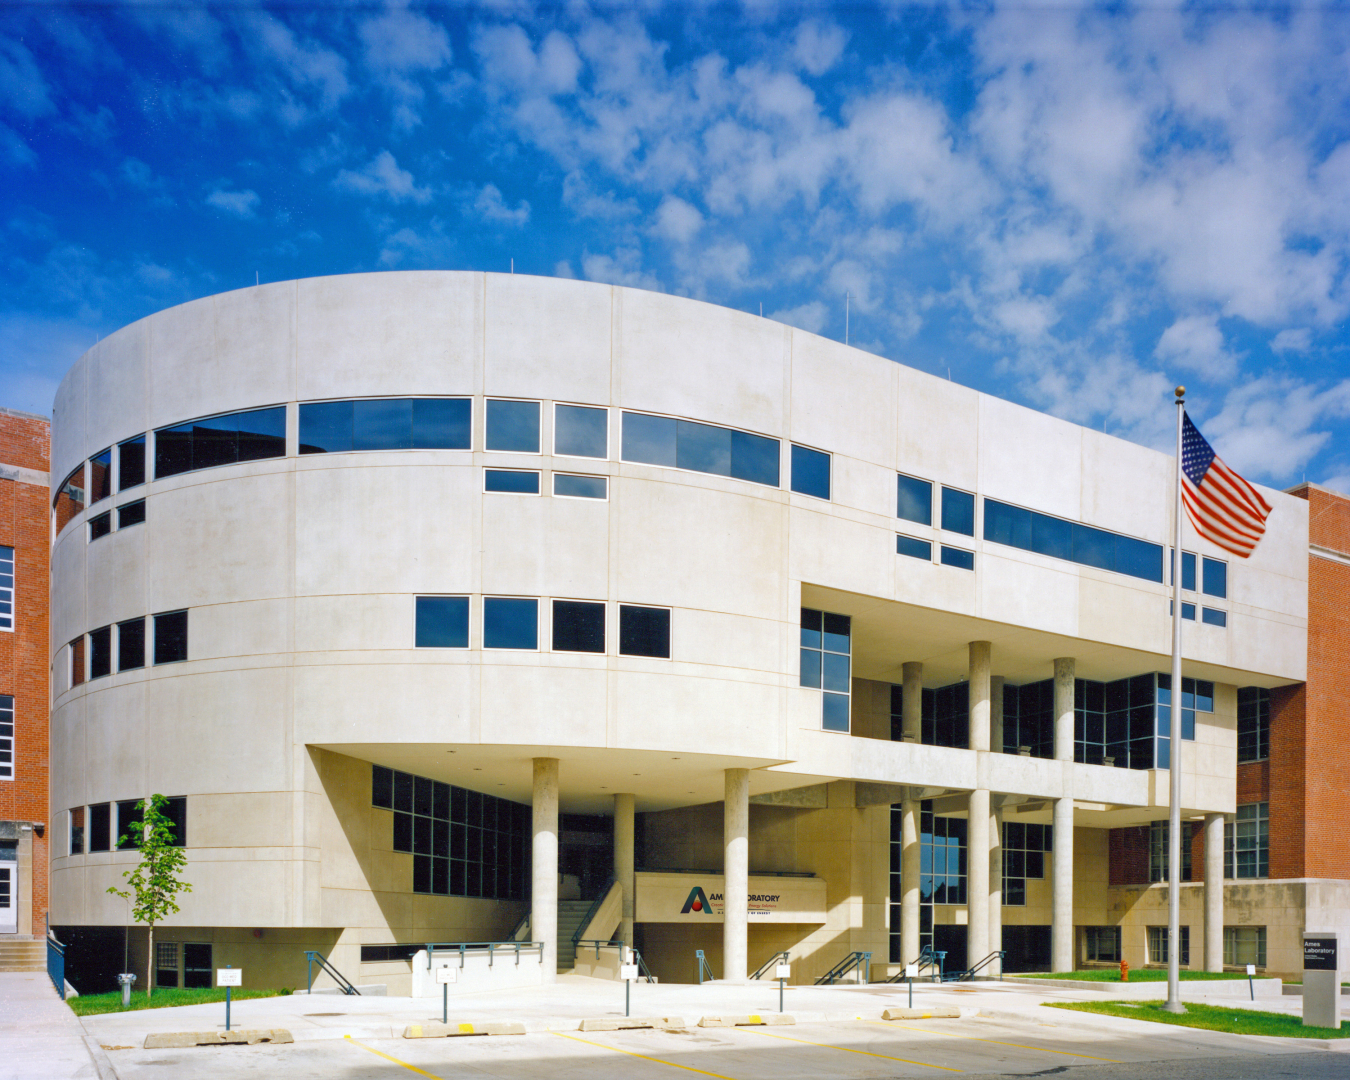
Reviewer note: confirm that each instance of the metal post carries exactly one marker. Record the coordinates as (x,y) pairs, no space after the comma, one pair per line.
(780,994)
(309,972)
(627,994)
(1174,1004)
(227,1004)
(445,1003)
(910,980)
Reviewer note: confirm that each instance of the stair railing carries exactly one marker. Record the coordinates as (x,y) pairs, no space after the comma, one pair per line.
(776,958)
(854,961)
(56,959)
(312,958)
(703,967)
(590,911)
(966,976)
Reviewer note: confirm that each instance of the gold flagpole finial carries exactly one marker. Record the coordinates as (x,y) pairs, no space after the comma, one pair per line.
(1180,391)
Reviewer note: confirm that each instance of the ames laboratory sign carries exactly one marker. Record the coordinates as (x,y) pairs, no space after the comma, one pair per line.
(700,898)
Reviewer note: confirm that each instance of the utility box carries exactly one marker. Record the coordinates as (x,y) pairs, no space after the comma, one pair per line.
(1321,980)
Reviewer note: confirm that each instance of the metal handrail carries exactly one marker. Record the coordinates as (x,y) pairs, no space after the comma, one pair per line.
(615,943)
(776,958)
(490,947)
(56,958)
(590,912)
(851,962)
(524,924)
(965,976)
(343,984)
(703,966)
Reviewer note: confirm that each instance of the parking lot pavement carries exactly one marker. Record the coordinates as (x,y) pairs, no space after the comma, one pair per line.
(841,1049)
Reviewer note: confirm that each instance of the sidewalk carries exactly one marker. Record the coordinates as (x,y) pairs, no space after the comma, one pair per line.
(39,1035)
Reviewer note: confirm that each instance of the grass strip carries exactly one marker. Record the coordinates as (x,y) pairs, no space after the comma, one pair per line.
(1136,975)
(1209,1017)
(165,998)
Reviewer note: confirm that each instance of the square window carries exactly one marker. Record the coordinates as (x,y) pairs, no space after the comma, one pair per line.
(171,637)
(578,626)
(644,631)
(131,463)
(810,675)
(442,622)
(100,526)
(510,623)
(579,431)
(914,500)
(513,426)
(915,549)
(964,560)
(100,652)
(754,458)
(131,645)
(958,511)
(442,424)
(131,513)
(382,424)
(834,712)
(572,486)
(810,472)
(1214,580)
(1215,617)
(325,427)
(511,481)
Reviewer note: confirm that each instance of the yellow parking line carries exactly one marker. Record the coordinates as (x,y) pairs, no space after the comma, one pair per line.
(644,1057)
(995,1042)
(381,1053)
(849,1049)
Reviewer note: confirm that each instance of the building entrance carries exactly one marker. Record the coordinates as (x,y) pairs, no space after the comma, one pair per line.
(9,894)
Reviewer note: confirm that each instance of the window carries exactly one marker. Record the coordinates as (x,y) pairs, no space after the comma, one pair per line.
(131,645)
(644,631)
(166,963)
(132,513)
(826,649)
(379,954)
(961,559)
(1214,578)
(511,481)
(945,716)
(1253,724)
(810,472)
(100,652)
(914,500)
(220,440)
(175,809)
(1243,945)
(1029,719)
(1024,848)
(1187,610)
(6,737)
(510,623)
(463,843)
(129,828)
(705,448)
(77,831)
(1187,569)
(1157,945)
(1071,541)
(1103,944)
(1214,617)
(131,463)
(100,526)
(6,588)
(942,858)
(915,549)
(958,511)
(100,827)
(198,971)
(571,486)
(100,476)
(331,427)
(1158,833)
(69,499)
(1197,695)
(77,661)
(578,626)
(171,637)
(442,622)
(1246,842)
(579,431)
(513,425)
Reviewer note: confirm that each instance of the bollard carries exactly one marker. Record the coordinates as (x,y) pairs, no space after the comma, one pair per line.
(1124,971)
(125,981)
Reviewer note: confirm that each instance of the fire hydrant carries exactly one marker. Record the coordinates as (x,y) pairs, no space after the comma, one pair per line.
(1124,971)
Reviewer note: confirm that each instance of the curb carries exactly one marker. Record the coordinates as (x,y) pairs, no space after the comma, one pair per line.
(176,1040)
(102,1065)
(628,1022)
(434,1029)
(942,1012)
(752,1020)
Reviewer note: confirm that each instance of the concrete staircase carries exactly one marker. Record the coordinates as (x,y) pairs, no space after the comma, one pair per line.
(570,915)
(22,954)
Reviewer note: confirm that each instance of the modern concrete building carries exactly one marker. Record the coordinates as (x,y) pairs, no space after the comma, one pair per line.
(435,600)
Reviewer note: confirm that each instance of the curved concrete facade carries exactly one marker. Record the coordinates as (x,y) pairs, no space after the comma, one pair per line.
(300,576)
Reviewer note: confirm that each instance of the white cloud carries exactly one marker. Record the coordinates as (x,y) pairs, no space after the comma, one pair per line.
(563,269)
(1195,343)
(304,63)
(23,89)
(383,177)
(491,207)
(399,46)
(1273,425)
(624,267)
(676,220)
(817,46)
(242,204)
(810,316)
(1294,340)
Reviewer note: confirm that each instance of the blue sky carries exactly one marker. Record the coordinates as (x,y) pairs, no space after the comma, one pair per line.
(1075,208)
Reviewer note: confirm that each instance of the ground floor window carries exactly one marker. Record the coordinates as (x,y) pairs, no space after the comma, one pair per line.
(943,850)
(1246,842)
(1244,945)
(197,972)
(1158,835)
(1024,848)
(166,963)
(1103,943)
(1157,945)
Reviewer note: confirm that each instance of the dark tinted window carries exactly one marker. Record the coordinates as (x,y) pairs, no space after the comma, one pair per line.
(1215,617)
(171,637)
(100,525)
(1094,547)
(1006,524)
(810,472)
(958,557)
(1072,542)
(442,622)
(706,448)
(510,623)
(644,631)
(580,487)
(131,514)
(100,652)
(1215,579)
(77,661)
(578,626)
(580,432)
(1187,571)
(221,440)
(131,645)
(175,809)
(511,481)
(442,423)
(129,829)
(100,476)
(915,549)
(131,463)
(69,499)
(958,511)
(649,440)
(100,827)
(702,448)
(754,458)
(513,425)
(914,500)
(382,424)
(382,787)
(325,427)
(329,427)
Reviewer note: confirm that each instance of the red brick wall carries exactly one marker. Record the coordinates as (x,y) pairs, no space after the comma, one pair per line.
(1128,853)
(25,442)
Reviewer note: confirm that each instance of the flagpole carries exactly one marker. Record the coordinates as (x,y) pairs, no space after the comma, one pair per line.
(1174,742)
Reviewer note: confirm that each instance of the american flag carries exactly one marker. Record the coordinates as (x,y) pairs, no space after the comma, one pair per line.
(1222,506)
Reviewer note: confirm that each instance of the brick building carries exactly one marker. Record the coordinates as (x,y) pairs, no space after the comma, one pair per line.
(25,442)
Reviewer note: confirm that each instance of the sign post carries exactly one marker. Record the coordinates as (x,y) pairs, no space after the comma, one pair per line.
(782,972)
(1321,982)
(445,976)
(911,970)
(628,971)
(1251,970)
(229,977)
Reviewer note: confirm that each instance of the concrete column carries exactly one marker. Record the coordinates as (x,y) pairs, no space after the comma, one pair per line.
(1213,892)
(979,694)
(909,880)
(1064,676)
(995,880)
(1061,920)
(911,715)
(623,864)
(736,873)
(977,878)
(544,869)
(996,713)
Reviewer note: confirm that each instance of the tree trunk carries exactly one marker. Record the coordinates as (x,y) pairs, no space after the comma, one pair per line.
(150,964)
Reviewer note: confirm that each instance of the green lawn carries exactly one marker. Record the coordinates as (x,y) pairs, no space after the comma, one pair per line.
(1136,975)
(167,998)
(1209,1017)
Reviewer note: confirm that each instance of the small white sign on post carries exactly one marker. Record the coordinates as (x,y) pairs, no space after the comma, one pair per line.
(1251,969)
(628,972)
(229,976)
(782,971)
(446,974)
(911,971)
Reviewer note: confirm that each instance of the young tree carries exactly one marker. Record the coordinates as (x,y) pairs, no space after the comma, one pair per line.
(153,883)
